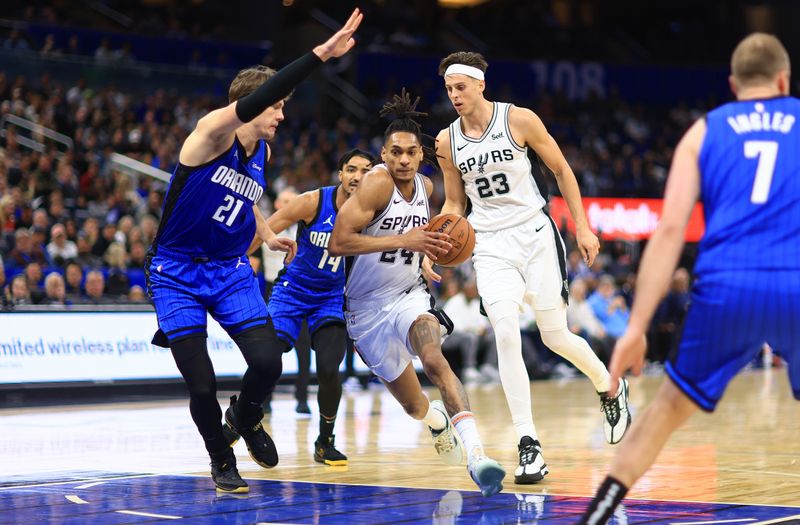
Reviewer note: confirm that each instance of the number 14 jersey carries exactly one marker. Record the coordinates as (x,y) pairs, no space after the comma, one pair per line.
(750,186)
(497,174)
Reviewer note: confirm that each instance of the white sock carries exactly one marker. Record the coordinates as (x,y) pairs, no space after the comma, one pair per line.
(511,366)
(434,418)
(466,428)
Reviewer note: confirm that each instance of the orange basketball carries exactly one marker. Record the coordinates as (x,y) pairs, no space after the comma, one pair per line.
(462,237)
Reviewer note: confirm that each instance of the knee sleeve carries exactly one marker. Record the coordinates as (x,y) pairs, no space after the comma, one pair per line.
(195,366)
(262,349)
(330,344)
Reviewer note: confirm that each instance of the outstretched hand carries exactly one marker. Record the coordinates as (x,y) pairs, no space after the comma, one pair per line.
(283,244)
(428,272)
(628,354)
(341,42)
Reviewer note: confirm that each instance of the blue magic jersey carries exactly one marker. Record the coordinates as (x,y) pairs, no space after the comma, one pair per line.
(313,268)
(750,187)
(208,211)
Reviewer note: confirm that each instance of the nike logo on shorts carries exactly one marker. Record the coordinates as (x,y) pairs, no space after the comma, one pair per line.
(540,228)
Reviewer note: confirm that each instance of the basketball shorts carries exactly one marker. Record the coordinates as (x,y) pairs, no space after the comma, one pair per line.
(380,331)
(524,263)
(183,291)
(289,305)
(730,317)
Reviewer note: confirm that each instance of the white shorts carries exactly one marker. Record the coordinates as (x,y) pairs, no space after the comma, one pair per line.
(525,263)
(380,331)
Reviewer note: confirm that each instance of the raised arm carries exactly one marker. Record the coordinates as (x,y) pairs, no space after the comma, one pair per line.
(455,200)
(663,251)
(359,210)
(214,132)
(532,131)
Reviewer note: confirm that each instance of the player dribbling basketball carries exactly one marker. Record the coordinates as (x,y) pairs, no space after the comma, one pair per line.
(389,313)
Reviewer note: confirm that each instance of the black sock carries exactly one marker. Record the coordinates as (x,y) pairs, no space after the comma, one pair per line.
(326,426)
(605,500)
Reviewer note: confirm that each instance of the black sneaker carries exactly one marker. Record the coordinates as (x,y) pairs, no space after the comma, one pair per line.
(259,444)
(302,407)
(325,452)
(225,475)
(532,467)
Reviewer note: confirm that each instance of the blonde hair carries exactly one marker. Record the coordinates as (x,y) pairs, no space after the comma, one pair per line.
(758,59)
(247,81)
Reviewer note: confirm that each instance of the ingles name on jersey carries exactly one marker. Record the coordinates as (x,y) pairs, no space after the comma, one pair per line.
(760,120)
(238,183)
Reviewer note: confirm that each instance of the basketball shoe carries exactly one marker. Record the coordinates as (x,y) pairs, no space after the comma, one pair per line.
(532,467)
(225,474)
(617,417)
(445,441)
(259,443)
(325,452)
(487,474)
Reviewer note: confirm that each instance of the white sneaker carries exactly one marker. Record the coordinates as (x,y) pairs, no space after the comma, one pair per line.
(615,409)
(487,474)
(445,441)
(532,468)
(471,376)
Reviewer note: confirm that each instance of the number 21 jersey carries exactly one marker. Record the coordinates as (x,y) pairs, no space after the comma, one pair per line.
(208,211)
(497,174)
(750,186)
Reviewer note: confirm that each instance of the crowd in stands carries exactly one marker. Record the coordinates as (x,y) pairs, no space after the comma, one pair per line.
(75,230)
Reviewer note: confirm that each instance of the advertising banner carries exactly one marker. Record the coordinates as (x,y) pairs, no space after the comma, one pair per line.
(104,347)
(624,219)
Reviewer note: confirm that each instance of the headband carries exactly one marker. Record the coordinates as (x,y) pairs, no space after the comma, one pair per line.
(463,69)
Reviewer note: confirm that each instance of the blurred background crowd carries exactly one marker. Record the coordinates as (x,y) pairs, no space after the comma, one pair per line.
(79,85)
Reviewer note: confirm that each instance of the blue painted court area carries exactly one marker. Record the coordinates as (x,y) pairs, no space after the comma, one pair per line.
(189,499)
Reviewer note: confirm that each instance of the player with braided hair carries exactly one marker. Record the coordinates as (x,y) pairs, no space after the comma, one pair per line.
(389,314)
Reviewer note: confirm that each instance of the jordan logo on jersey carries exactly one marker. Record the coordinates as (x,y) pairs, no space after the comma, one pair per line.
(329,221)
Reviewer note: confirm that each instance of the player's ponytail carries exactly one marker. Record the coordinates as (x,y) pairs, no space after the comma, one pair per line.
(404,119)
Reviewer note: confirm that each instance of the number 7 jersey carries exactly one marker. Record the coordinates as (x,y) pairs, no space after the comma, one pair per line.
(498,174)
(750,186)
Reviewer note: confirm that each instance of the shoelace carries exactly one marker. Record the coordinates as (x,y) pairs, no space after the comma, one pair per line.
(443,442)
(610,406)
(526,454)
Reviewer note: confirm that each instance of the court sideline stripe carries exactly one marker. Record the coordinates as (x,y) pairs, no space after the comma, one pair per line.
(103,480)
(148,514)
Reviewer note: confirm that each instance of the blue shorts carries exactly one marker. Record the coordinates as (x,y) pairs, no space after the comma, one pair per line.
(730,317)
(288,306)
(183,291)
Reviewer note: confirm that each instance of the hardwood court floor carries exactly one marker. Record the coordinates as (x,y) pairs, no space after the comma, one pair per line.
(746,453)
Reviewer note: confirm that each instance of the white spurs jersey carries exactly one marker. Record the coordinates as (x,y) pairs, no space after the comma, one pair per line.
(497,174)
(374,277)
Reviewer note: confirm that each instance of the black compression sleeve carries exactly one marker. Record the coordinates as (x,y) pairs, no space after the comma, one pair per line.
(277,87)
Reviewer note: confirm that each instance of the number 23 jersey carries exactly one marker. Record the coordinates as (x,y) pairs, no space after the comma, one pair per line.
(208,210)
(497,174)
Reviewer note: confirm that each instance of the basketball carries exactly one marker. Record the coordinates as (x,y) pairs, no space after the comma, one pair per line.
(462,237)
